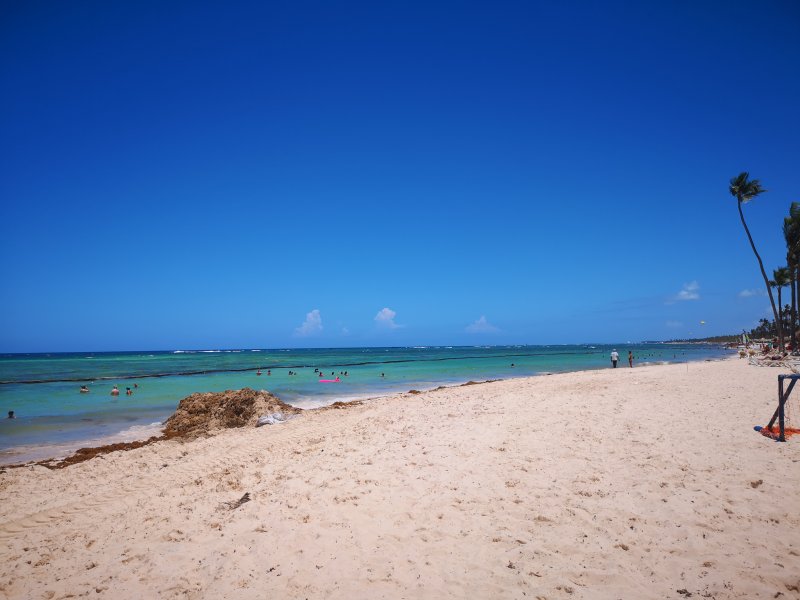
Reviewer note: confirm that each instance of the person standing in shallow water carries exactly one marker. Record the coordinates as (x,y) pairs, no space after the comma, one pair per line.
(630,358)
(614,358)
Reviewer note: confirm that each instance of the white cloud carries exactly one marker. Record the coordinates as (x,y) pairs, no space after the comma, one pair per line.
(385,318)
(345,331)
(312,324)
(674,324)
(689,291)
(481,326)
(751,293)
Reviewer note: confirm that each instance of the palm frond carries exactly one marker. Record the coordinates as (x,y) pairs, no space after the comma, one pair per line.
(781,277)
(745,189)
(738,183)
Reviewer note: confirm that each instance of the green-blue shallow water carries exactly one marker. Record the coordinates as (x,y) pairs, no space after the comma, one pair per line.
(43,389)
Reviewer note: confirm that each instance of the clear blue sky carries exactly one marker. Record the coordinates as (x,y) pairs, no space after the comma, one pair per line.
(200,175)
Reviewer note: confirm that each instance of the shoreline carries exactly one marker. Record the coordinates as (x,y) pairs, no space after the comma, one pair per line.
(593,484)
(43,454)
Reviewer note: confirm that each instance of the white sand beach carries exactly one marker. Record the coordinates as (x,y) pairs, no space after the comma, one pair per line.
(628,483)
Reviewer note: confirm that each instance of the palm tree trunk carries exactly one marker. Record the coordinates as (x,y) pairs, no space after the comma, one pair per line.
(763,274)
(793,316)
(796,315)
(780,313)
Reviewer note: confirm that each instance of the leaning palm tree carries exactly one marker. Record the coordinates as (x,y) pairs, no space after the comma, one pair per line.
(774,286)
(744,189)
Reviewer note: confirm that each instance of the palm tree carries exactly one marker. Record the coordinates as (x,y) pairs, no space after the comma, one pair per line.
(791,233)
(774,285)
(744,189)
(780,281)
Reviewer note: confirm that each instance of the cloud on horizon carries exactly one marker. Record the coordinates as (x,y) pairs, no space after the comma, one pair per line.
(385,318)
(312,325)
(481,326)
(751,293)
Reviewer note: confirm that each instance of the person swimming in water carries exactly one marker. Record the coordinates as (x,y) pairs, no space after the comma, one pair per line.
(128,391)
(115,391)
(84,389)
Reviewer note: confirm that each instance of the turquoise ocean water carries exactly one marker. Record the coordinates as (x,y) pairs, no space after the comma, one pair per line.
(53,417)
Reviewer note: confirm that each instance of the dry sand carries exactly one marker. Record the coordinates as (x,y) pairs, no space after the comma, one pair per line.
(627,483)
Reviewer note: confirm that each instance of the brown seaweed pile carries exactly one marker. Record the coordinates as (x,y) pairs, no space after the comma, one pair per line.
(196,415)
(338,405)
(203,413)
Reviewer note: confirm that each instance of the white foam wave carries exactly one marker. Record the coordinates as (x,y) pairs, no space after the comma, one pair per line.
(311,402)
(136,432)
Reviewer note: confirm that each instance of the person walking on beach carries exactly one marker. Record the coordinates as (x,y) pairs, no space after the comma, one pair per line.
(614,358)
(630,358)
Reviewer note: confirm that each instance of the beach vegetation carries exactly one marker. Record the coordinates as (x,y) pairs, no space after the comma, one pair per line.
(744,190)
(713,339)
(791,233)
(780,280)
(765,330)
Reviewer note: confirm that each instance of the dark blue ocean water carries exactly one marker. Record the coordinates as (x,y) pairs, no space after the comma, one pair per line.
(43,389)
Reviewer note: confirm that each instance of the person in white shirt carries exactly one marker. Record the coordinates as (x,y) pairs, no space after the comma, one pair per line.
(614,358)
